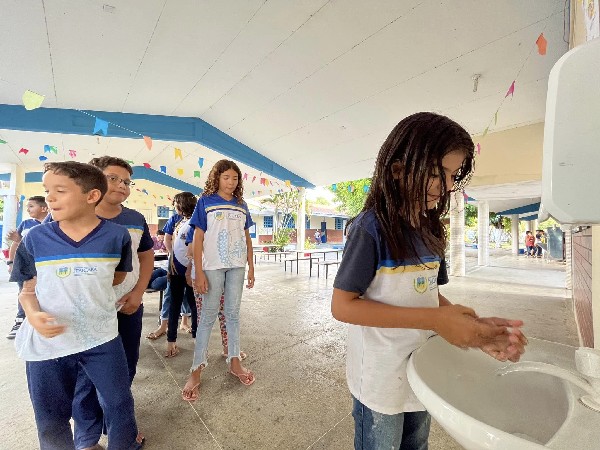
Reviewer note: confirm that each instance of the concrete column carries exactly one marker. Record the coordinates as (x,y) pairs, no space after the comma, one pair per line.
(457,235)
(11,198)
(568,259)
(301,224)
(514,220)
(483,233)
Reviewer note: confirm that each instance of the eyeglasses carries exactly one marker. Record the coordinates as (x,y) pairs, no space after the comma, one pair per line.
(117,180)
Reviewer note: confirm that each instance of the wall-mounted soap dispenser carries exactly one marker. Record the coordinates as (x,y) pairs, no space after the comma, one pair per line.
(571,161)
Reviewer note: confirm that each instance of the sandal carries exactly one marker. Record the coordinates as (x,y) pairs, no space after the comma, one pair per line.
(186,328)
(243,355)
(173,351)
(194,394)
(246,377)
(155,335)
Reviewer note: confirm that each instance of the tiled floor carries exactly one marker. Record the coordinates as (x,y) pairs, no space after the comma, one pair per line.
(296,349)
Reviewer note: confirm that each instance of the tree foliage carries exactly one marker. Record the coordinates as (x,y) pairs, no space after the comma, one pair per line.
(351,203)
(286,203)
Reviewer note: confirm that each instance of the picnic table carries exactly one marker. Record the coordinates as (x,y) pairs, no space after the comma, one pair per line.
(313,255)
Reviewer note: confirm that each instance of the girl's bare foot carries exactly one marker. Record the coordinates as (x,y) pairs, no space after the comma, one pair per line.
(172,350)
(191,390)
(246,376)
(160,331)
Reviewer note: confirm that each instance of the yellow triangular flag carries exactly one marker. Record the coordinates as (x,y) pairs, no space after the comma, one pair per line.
(180,172)
(178,154)
(288,183)
(31,100)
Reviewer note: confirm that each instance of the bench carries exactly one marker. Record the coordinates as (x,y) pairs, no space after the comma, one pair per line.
(326,264)
(300,258)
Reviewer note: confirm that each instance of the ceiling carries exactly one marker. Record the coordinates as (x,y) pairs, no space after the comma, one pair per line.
(315,86)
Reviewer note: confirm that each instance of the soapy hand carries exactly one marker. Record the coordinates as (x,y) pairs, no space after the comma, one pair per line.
(509,346)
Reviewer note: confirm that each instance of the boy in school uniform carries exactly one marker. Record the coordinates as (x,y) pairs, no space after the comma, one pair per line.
(37,209)
(68,268)
(87,412)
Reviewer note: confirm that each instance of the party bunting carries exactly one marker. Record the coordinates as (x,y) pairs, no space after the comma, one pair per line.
(511,90)
(201,162)
(180,172)
(288,183)
(130,162)
(177,153)
(486,130)
(31,100)
(366,189)
(50,149)
(148,141)
(496,118)
(2,141)
(101,126)
(163,169)
(541,43)
(24,151)
(73,153)
(43,158)
(196,174)
(478,149)
(145,191)
(245,177)
(334,187)
(262,181)
(253,178)
(147,166)
(350,188)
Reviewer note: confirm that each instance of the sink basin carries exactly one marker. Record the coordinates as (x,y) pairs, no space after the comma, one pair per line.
(518,411)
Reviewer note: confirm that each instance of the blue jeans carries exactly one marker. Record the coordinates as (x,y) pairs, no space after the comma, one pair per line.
(181,294)
(87,410)
(166,306)
(52,384)
(376,431)
(229,282)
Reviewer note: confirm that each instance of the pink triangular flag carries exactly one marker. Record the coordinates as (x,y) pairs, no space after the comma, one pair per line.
(511,90)
(148,141)
(24,151)
(478,149)
(146,165)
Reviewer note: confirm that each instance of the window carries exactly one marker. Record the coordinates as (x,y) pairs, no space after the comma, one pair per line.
(339,223)
(307,223)
(288,221)
(163,212)
(268,221)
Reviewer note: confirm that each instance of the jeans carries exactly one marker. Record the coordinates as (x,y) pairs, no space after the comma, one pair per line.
(51,386)
(376,431)
(158,279)
(166,306)
(180,293)
(87,412)
(231,283)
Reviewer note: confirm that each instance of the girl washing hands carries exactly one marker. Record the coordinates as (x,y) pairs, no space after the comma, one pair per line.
(387,285)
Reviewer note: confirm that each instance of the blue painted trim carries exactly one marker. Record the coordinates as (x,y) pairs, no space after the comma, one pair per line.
(139,173)
(33,177)
(534,207)
(165,128)
(533,217)
(143,173)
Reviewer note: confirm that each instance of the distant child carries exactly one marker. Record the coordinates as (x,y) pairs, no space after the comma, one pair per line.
(221,247)
(530,243)
(68,268)
(37,209)
(387,285)
(176,230)
(159,242)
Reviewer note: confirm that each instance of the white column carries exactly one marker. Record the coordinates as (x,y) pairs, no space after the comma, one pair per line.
(514,220)
(483,233)
(11,203)
(301,225)
(457,235)
(11,198)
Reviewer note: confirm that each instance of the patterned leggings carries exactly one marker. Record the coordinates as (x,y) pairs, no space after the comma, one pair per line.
(199,299)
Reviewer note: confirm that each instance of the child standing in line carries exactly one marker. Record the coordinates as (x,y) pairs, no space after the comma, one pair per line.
(177,230)
(387,285)
(530,243)
(221,247)
(68,268)
(37,210)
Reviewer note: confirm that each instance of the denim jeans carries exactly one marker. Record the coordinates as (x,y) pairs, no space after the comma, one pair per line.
(51,388)
(181,294)
(229,282)
(376,431)
(166,306)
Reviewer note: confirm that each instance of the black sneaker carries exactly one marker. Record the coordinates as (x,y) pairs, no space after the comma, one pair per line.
(13,331)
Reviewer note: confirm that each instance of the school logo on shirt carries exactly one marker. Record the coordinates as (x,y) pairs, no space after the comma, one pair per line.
(85,270)
(219,215)
(421,284)
(63,272)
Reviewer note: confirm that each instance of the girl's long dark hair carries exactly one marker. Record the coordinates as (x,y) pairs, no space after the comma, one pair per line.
(212,182)
(418,143)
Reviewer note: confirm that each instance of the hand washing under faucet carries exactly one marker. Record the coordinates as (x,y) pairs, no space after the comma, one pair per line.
(587,361)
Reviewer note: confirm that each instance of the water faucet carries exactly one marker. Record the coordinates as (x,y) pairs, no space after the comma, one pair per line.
(587,361)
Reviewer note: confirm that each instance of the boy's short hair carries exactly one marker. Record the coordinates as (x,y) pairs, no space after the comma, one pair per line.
(84,175)
(160,233)
(40,200)
(104,161)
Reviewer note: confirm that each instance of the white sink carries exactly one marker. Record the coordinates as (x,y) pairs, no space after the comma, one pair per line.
(523,410)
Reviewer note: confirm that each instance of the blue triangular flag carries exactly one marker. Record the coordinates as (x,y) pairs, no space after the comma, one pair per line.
(163,169)
(365,188)
(201,162)
(101,126)
(43,158)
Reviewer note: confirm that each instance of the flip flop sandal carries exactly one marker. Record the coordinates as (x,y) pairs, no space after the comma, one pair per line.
(172,352)
(154,335)
(243,355)
(186,329)
(195,391)
(246,378)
